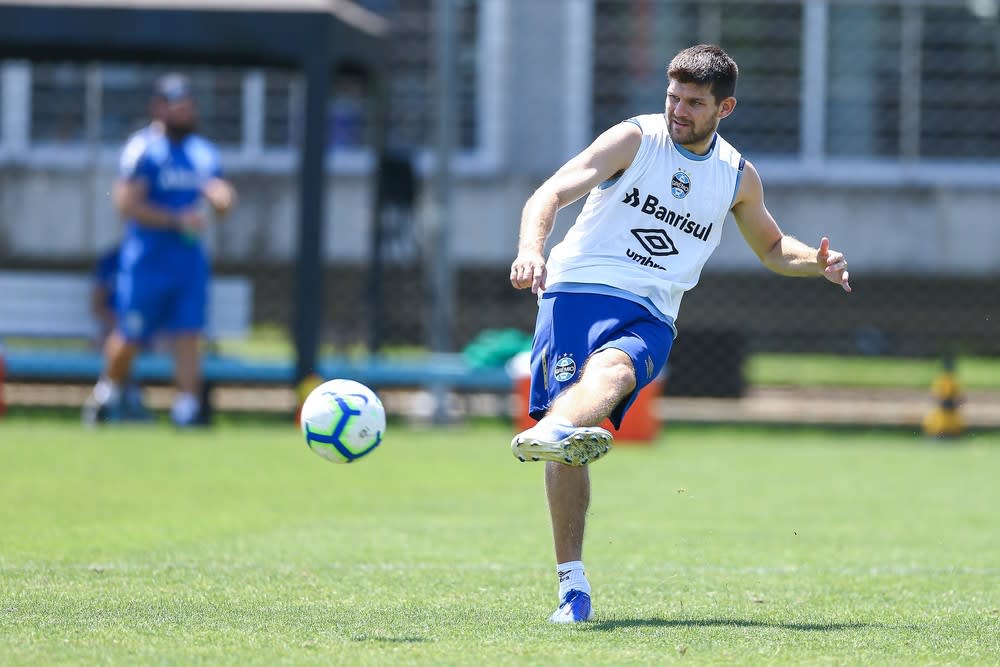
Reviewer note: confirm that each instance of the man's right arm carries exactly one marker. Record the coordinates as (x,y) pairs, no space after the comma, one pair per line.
(131,201)
(609,155)
(130,193)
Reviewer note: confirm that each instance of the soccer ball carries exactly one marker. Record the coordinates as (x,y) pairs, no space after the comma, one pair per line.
(343,420)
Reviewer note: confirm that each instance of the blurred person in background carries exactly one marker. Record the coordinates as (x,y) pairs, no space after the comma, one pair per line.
(102,306)
(659,188)
(162,284)
(105,275)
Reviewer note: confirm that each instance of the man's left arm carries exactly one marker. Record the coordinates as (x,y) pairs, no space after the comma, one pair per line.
(217,190)
(777,251)
(221,195)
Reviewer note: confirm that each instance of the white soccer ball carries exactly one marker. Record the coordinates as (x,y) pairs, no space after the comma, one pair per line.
(343,420)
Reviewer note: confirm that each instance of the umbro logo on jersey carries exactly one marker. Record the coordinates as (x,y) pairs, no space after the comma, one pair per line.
(682,221)
(656,242)
(642,259)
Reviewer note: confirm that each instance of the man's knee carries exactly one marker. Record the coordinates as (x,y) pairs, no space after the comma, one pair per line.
(613,367)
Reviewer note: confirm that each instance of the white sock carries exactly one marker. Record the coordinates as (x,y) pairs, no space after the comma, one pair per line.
(107,391)
(554,420)
(184,409)
(572,577)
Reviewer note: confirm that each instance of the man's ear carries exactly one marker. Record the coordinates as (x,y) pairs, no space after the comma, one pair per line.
(726,107)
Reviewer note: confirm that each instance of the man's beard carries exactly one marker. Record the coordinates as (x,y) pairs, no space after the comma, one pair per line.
(691,134)
(177,131)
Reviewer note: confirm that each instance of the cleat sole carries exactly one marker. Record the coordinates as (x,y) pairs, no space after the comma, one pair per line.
(584,446)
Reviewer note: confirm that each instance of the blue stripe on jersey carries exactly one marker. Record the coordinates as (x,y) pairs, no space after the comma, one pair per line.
(607,183)
(739,177)
(694,156)
(607,290)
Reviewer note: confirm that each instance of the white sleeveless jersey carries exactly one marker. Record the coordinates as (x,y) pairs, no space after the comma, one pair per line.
(647,234)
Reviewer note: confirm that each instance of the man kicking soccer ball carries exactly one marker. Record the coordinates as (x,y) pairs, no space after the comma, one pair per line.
(660,187)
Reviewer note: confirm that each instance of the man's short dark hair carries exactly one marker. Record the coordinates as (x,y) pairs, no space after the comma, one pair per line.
(706,63)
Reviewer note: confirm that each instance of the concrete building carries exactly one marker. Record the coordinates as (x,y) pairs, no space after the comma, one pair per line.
(844,110)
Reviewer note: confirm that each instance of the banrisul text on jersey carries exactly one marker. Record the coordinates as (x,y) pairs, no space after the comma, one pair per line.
(682,221)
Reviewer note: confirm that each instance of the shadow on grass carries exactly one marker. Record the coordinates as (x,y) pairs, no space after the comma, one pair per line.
(388,640)
(615,624)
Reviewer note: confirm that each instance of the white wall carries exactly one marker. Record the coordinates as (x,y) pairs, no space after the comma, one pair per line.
(888,218)
(62,214)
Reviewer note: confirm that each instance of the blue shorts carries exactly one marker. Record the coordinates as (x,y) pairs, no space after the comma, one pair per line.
(161,291)
(572,326)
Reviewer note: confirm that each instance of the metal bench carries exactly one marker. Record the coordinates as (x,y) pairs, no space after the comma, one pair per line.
(49,308)
(44,310)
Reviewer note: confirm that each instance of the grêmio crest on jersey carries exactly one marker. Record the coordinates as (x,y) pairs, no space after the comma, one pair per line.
(680,184)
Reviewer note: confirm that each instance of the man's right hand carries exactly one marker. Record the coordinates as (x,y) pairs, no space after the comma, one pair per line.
(528,270)
(191,221)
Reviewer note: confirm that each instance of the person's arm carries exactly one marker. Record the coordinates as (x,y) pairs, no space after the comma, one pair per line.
(780,252)
(221,195)
(132,203)
(609,155)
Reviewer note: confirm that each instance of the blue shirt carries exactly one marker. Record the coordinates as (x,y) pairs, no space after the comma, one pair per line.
(174,174)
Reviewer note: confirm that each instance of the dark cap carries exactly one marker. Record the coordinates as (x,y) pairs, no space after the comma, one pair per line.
(172,87)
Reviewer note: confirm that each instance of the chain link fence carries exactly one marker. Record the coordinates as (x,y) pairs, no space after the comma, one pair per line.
(874,118)
(876,123)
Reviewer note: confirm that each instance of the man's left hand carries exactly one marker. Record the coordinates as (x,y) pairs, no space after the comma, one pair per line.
(220,195)
(833,263)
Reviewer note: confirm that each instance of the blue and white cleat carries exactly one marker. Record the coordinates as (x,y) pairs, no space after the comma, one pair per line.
(575,608)
(572,446)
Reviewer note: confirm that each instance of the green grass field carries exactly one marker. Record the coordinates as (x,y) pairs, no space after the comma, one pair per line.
(870,372)
(238,546)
